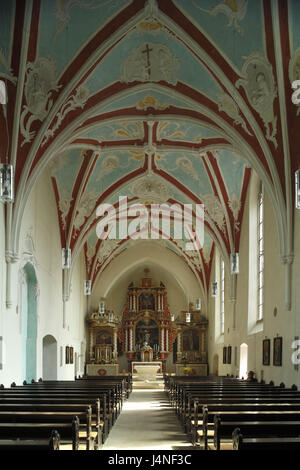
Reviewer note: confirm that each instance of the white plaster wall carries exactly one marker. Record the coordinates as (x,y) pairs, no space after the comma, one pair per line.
(40,220)
(2,286)
(285,323)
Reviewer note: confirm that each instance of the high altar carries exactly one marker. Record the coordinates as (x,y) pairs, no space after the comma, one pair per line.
(147,335)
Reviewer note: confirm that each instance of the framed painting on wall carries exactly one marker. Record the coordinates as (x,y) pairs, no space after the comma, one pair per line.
(277,351)
(224,355)
(266,352)
(71,355)
(67,355)
(229,355)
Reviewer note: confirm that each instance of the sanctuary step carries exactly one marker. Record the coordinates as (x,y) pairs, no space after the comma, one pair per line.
(148,384)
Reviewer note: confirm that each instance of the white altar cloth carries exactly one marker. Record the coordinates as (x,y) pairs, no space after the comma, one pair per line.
(146,372)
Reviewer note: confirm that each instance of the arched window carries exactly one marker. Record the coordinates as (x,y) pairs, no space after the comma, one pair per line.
(260,253)
(222,296)
(256,256)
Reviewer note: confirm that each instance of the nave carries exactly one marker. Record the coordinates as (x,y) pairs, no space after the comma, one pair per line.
(176,119)
(113,414)
(147,422)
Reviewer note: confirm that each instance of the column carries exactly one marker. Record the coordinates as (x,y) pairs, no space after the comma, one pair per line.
(179,353)
(130,339)
(126,340)
(91,344)
(162,340)
(167,340)
(134,303)
(115,350)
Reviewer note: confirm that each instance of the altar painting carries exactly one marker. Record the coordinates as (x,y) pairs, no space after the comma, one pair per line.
(146,301)
(103,337)
(190,340)
(146,332)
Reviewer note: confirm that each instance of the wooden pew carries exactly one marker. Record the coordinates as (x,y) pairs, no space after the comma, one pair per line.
(195,404)
(53,393)
(15,396)
(281,428)
(113,403)
(31,445)
(54,405)
(69,432)
(264,443)
(85,419)
(203,423)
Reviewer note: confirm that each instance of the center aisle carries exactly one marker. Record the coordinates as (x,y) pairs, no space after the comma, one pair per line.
(147,422)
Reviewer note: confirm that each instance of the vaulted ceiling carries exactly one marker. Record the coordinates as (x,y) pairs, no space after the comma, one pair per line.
(159,101)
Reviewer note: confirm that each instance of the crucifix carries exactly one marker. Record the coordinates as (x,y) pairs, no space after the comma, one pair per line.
(147,51)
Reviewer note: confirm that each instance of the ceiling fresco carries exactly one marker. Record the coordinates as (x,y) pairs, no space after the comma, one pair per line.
(171,101)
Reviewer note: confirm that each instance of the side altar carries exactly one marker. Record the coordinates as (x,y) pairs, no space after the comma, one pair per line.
(190,353)
(102,345)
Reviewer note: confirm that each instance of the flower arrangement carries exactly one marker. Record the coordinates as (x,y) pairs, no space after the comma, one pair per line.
(186,370)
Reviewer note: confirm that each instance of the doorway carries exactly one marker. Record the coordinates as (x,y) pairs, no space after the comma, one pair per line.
(243,360)
(49,358)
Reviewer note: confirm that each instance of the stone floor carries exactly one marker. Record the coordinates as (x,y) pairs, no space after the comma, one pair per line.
(147,422)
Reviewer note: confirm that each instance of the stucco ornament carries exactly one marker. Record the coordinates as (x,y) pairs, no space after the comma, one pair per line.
(63,7)
(85,208)
(150,24)
(41,82)
(152,189)
(258,82)
(235,10)
(206,252)
(108,165)
(90,253)
(294,70)
(229,106)
(235,206)
(106,248)
(28,254)
(150,63)
(76,100)
(64,206)
(215,209)
(186,165)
